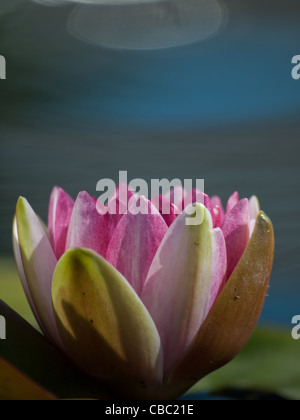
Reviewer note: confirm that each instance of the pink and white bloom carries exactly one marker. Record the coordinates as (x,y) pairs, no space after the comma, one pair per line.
(145,303)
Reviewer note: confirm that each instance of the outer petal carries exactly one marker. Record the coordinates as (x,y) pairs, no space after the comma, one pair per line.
(19,262)
(236,233)
(39,264)
(177,289)
(135,242)
(104,325)
(60,211)
(233,318)
(87,228)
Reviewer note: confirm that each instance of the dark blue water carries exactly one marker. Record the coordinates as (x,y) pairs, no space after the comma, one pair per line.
(226,109)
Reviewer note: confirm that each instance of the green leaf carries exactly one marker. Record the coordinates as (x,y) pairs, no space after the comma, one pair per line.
(12,292)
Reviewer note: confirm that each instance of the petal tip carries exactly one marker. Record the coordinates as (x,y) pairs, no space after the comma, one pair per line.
(199,212)
(21,201)
(56,189)
(76,255)
(83,195)
(22,207)
(263,217)
(266,224)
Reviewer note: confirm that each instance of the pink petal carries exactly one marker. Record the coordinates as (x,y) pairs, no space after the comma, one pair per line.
(135,242)
(88,229)
(233,200)
(123,193)
(168,210)
(60,211)
(216,201)
(177,290)
(114,213)
(219,266)
(177,196)
(219,212)
(236,233)
(218,217)
(194,196)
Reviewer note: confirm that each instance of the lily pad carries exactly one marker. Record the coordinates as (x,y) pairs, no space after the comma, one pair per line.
(11,290)
(269,365)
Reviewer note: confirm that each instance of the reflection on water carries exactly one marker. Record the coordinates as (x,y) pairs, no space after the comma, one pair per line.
(148,25)
(144,24)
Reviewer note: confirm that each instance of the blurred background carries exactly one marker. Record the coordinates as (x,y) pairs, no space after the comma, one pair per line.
(90,91)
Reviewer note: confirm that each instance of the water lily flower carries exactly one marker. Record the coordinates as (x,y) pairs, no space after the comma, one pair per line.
(145,303)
